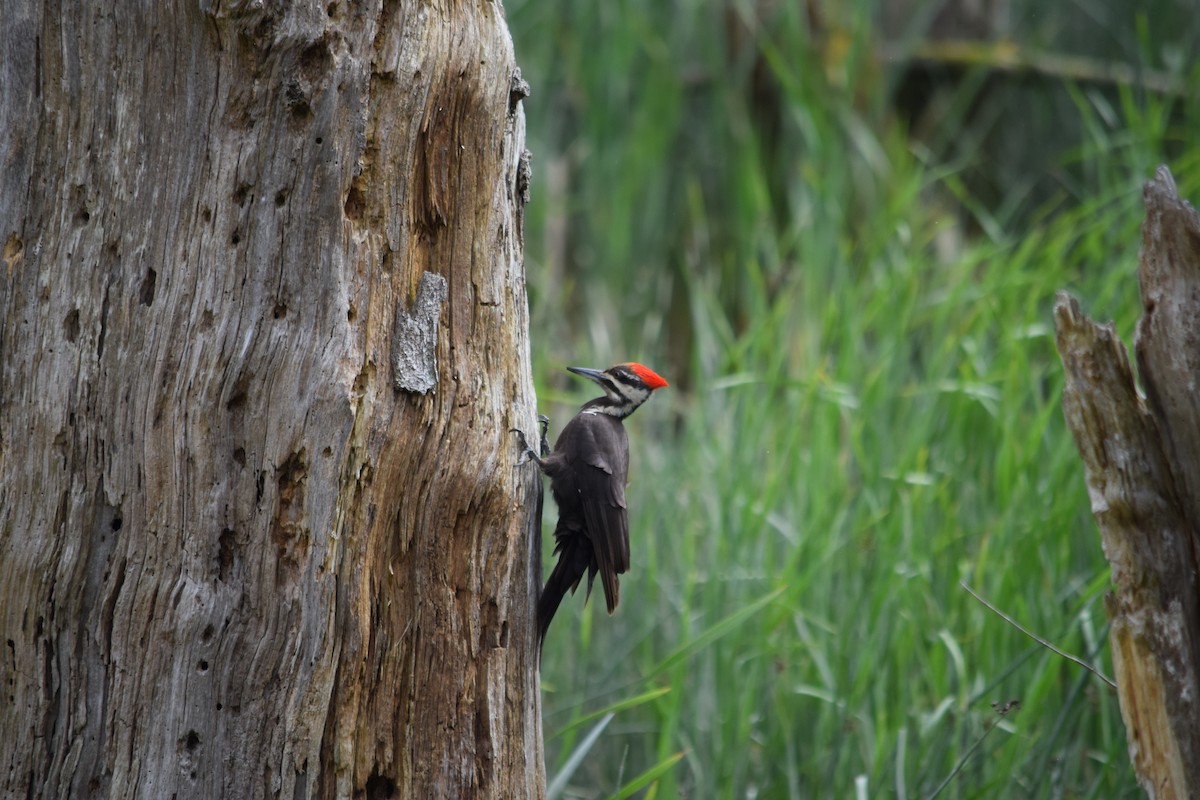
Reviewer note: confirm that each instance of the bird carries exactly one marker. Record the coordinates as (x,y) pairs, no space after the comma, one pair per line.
(588,470)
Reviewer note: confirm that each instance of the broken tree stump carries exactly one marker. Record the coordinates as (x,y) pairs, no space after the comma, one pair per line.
(1141,457)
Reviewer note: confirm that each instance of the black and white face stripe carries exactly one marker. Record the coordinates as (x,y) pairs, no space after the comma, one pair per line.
(624,391)
(625,387)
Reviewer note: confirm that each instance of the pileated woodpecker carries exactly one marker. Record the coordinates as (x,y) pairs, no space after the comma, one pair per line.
(588,469)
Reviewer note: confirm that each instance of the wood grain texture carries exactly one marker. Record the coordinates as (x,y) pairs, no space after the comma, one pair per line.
(1141,465)
(237,561)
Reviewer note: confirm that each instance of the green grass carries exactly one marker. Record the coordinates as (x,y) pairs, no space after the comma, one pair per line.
(864,415)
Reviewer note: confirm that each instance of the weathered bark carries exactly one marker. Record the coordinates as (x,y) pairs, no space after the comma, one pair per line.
(244,552)
(1142,463)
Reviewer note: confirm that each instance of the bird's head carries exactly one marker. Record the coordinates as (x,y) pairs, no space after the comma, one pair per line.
(626,386)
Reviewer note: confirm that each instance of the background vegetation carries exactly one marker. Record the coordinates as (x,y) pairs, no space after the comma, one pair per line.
(840,239)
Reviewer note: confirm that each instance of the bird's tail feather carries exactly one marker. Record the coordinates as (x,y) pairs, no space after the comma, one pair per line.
(570,569)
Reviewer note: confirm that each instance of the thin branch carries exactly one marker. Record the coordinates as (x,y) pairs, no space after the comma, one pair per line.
(1038,639)
(962,762)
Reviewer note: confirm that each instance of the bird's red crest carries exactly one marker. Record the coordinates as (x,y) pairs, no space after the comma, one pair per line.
(648,376)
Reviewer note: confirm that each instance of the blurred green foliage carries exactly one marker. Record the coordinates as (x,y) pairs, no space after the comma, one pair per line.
(843,253)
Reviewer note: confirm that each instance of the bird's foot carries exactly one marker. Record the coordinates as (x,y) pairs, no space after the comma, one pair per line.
(527,453)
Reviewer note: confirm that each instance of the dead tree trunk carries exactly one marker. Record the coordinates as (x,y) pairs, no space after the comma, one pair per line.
(1142,462)
(262,337)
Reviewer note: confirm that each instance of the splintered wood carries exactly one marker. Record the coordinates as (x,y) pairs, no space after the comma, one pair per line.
(1141,456)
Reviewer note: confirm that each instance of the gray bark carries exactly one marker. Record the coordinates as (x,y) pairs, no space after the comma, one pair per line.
(1142,463)
(237,559)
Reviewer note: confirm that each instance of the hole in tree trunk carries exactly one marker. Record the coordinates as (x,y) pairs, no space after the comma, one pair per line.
(380,788)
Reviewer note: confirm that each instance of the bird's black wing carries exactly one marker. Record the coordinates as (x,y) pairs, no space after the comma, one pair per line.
(601,477)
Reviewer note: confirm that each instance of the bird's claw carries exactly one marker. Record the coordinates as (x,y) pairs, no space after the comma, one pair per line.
(528,453)
(526,450)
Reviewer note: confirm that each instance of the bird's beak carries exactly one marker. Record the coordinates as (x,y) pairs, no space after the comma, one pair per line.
(592,374)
